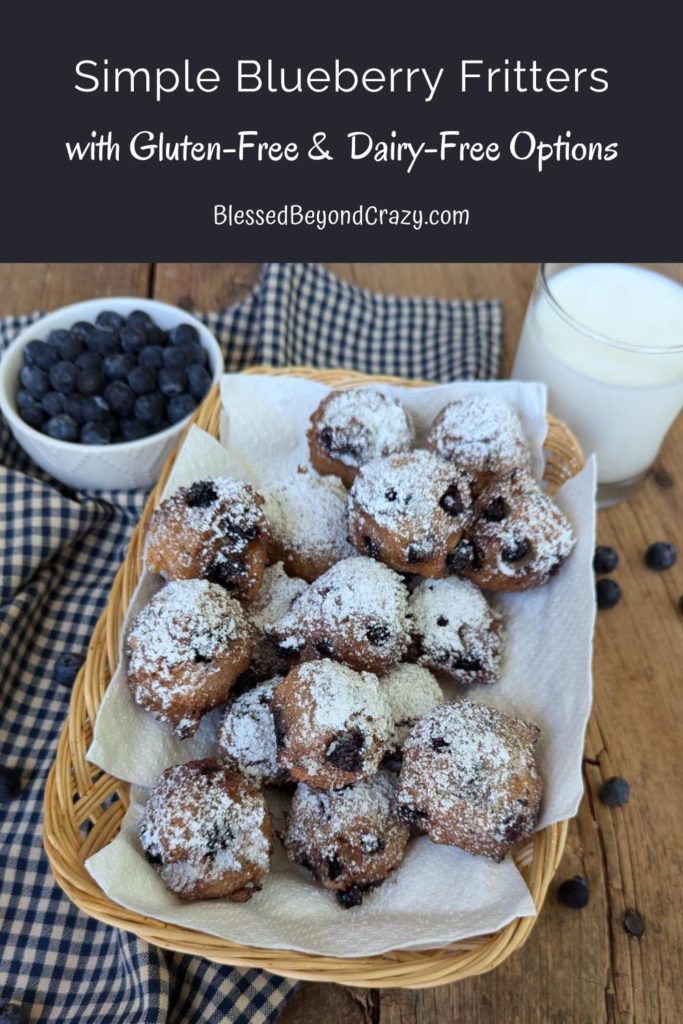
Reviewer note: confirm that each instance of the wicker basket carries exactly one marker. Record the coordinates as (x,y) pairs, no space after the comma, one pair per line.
(84,806)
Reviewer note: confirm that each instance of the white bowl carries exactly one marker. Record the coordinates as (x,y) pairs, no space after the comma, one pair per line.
(128,465)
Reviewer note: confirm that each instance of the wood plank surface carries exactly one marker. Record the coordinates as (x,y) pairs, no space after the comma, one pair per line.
(577,967)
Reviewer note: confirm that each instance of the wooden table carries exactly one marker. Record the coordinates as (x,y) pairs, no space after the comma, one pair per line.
(578,967)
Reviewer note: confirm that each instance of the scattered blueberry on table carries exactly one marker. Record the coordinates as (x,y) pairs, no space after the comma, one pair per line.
(119,379)
(574,892)
(605,559)
(10,784)
(67,667)
(615,792)
(660,555)
(633,923)
(607,593)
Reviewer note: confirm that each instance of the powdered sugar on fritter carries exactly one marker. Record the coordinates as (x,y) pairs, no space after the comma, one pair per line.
(364,424)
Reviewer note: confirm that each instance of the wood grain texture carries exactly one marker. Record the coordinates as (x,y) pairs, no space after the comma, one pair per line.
(577,967)
(26,287)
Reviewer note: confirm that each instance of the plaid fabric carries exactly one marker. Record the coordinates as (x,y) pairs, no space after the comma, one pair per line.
(59,551)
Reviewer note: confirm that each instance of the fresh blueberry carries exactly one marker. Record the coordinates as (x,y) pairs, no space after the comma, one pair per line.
(633,923)
(64,377)
(90,382)
(180,407)
(615,792)
(35,380)
(12,1013)
(142,379)
(133,430)
(74,407)
(67,668)
(58,337)
(69,346)
(660,555)
(62,427)
(151,408)
(574,892)
(10,784)
(172,382)
(95,433)
(139,320)
(175,358)
(108,320)
(89,361)
(39,353)
(607,593)
(53,403)
(96,409)
(82,330)
(120,397)
(155,335)
(132,339)
(194,353)
(102,342)
(30,409)
(605,559)
(151,356)
(199,381)
(117,365)
(183,334)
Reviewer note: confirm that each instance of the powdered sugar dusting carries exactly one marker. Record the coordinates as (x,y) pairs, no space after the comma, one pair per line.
(275,598)
(325,700)
(341,698)
(354,596)
(466,766)
(364,811)
(481,432)
(412,691)
(455,630)
(406,494)
(246,736)
(308,515)
(215,513)
(532,519)
(362,424)
(201,822)
(186,625)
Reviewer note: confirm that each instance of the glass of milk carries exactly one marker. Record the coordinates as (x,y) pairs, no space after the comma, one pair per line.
(607,340)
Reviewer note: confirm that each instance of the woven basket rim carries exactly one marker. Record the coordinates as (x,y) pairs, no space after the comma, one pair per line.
(84,806)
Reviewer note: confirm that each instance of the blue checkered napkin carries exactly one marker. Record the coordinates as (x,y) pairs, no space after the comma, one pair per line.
(300,314)
(59,551)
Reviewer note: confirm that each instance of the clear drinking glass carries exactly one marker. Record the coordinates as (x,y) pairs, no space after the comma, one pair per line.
(607,340)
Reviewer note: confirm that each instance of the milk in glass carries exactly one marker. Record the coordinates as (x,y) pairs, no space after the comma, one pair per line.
(607,339)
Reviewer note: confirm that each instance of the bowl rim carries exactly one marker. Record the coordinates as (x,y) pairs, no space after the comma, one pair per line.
(27,334)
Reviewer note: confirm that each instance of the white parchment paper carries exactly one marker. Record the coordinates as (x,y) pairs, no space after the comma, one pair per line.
(439,894)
